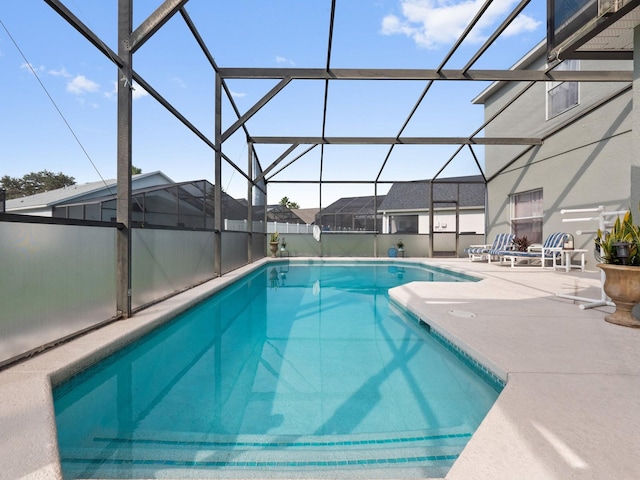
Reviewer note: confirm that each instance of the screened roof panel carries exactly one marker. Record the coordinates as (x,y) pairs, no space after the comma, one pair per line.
(286,36)
(297,108)
(297,34)
(353,162)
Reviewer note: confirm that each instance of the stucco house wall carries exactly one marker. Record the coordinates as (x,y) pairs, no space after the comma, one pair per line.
(470,220)
(585,164)
(411,201)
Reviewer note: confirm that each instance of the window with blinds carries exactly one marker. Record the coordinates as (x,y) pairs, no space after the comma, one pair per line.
(527,214)
(561,96)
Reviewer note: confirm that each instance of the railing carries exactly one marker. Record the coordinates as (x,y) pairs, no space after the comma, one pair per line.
(59,275)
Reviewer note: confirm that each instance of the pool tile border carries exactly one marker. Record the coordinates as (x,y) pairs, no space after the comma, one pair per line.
(488,375)
(263,464)
(329,443)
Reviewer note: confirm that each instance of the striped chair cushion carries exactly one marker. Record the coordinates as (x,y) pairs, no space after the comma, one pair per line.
(501,242)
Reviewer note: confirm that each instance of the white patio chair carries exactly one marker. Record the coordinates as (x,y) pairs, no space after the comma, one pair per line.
(483,252)
(551,248)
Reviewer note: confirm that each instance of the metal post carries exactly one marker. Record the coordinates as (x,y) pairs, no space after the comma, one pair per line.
(250,202)
(123,199)
(217,187)
(431,213)
(375,219)
(458,224)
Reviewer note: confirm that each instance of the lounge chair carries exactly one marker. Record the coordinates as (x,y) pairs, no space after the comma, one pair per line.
(502,242)
(550,249)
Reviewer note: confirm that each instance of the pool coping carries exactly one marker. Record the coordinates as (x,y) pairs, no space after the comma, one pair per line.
(505,445)
(569,408)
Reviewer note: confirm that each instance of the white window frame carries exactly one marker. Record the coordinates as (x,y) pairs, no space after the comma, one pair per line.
(573,89)
(539,215)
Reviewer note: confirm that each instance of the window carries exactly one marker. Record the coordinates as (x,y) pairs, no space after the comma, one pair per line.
(526,215)
(403,224)
(561,96)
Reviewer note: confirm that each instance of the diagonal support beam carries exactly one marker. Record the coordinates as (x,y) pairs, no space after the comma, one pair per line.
(276,162)
(154,22)
(503,26)
(253,110)
(85,31)
(292,161)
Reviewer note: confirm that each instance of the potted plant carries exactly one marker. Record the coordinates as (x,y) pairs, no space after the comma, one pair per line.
(400,245)
(521,244)
(274,240)
(283,245)
(618,250)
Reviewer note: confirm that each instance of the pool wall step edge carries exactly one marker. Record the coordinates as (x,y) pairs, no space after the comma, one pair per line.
(480,365)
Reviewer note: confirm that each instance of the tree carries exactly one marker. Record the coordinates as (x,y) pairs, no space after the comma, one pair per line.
(135,170)
(34,182)
(285,202)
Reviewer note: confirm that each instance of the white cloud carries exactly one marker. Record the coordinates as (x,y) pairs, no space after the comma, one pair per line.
(178,81)
(432,23)
(280,60)
(81,84)
(32,68)
(59,73)
(137,92)
(521,24)
(84,104)
(238,94)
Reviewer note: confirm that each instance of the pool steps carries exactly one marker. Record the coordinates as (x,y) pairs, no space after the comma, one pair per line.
(431,453)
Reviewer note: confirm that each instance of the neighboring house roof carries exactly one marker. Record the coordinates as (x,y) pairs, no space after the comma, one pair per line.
(308,215)
(79,192)
(55,197)
(417,195)
(354,205)
(280,213)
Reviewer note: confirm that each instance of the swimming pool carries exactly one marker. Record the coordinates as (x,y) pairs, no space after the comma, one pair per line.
(296,370)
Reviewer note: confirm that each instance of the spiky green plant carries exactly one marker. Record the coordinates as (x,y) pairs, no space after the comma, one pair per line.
(623,230)
(521,244)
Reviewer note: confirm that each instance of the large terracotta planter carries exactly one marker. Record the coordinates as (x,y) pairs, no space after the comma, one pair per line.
(274,248)
(622,285)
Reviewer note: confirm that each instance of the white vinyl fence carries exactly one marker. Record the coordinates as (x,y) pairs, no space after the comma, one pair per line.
(280,227)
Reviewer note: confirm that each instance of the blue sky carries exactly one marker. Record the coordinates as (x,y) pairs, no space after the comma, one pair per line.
(59,106)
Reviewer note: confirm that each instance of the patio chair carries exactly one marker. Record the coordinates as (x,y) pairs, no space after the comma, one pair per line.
(502,242)
(549,250)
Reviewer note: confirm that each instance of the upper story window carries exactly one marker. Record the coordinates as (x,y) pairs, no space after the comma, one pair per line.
(561,96)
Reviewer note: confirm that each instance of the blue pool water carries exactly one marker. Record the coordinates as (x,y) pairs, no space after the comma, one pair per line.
(293,370)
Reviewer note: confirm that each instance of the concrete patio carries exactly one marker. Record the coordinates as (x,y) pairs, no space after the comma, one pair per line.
(570,408)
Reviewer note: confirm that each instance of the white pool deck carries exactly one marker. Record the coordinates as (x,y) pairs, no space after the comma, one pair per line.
(570,409)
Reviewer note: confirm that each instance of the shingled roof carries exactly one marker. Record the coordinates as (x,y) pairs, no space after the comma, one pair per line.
(354,205)
(78,193)
(468,190)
